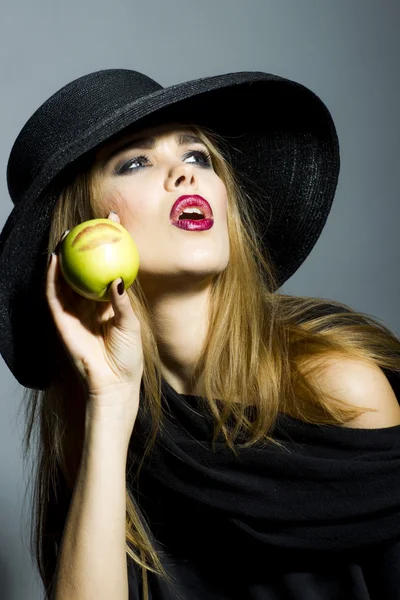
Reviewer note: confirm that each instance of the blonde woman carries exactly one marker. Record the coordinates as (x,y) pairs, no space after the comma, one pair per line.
(201,435)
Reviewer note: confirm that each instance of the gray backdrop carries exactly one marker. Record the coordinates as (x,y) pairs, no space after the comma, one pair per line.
(345,50)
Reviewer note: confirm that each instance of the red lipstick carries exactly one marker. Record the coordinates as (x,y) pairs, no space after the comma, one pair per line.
(205,221)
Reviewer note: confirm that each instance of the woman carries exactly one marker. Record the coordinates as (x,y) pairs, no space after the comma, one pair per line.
(201,435)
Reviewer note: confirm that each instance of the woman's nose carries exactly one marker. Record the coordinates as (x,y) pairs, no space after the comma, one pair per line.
(181,175)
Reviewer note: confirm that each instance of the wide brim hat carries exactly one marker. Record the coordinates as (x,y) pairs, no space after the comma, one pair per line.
(279,137)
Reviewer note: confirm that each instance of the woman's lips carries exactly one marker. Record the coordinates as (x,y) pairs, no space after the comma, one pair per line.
(190,201)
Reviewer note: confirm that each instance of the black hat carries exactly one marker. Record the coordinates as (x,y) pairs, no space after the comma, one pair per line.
(280,139)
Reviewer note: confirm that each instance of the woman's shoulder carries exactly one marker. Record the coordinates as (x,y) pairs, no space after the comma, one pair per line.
(354,380)
(361,384)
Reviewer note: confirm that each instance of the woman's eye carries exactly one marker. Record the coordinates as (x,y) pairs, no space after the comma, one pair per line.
(202,155)
(136,163)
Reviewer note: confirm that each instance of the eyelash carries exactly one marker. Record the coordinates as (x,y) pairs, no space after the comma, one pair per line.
(123,169)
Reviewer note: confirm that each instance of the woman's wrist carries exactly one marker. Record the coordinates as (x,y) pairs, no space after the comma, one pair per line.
(112,413)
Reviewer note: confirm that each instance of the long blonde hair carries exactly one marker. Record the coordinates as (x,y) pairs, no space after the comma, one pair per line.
(263,346)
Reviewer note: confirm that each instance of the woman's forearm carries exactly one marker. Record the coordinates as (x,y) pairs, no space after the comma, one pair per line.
(92,559)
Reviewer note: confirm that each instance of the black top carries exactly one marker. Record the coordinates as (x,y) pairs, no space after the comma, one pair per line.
(320,522)
(316,520)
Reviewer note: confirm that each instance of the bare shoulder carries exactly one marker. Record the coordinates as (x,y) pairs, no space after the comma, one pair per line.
(361,384)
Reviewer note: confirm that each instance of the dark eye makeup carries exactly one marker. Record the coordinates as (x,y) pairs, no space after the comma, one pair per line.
(140,162)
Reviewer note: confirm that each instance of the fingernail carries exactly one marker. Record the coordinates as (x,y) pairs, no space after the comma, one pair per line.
(121,287)
(112,212)
(57,248)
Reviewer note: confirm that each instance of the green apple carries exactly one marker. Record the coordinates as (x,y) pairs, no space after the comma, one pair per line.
(95,253)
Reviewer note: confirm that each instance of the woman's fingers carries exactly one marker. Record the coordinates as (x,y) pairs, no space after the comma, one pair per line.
(113,216)
(53,285)
(125,318)
(57,295)
(50,279)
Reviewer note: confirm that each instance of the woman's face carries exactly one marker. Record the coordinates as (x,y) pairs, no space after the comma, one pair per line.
(142,175)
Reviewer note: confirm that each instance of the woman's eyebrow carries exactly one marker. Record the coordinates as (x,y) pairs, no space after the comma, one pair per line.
(147,143)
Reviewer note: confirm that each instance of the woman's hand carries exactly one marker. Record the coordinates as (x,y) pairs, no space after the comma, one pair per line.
(103,340)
